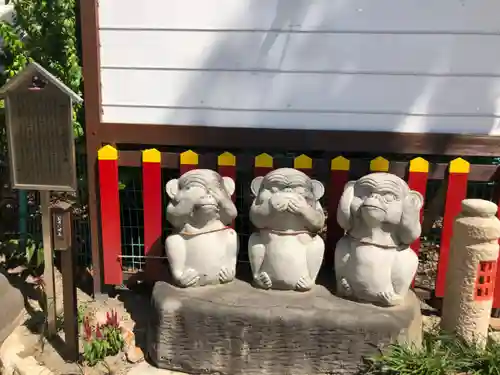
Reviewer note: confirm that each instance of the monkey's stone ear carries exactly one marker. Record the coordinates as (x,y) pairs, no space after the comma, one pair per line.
(318,189)
(256,183)
(172,187)
(229,185)
(349,185)
(417,200)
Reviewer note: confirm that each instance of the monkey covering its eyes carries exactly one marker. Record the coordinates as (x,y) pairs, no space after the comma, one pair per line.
(204,249)
(381,217)
(286,252)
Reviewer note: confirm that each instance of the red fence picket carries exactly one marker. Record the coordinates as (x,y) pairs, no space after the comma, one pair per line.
(152,200)
(456,192)
(339,176)
(417,180)
(188,160)
(303,163)
(226,163)
(263,164)
(110,214)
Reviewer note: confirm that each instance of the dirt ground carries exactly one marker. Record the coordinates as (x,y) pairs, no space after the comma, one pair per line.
(131,305)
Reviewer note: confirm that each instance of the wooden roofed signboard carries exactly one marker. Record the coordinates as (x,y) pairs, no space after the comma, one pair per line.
(40,131)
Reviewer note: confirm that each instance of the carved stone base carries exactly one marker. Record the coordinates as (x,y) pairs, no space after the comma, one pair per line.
(236,329)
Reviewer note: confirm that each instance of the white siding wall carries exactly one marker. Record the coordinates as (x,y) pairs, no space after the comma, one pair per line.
(388,65)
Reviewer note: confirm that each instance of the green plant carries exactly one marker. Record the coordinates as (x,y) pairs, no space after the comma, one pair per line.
(81,314)
(103,340)
(25,258)
(440,354)
(44,31)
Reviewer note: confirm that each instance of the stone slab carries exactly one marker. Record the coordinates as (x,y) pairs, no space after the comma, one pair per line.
(13,315)
(236,329)
(145,368)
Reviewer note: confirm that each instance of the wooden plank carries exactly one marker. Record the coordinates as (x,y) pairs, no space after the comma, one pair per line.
(456,192)
(304,139)
(152,191)
(338,52)
(92,88)
(169,160)
(110,215)
(70,303)
(48,271)
(309,93)
(417,16)
(231,119)
(437,171)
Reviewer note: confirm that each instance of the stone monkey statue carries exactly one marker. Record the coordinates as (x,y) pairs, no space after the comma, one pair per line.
(381,217)
(204,249)
(286,252)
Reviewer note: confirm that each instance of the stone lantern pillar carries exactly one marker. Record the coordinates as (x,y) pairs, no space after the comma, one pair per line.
(470,280)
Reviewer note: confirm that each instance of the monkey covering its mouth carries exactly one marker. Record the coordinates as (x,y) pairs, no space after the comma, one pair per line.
(286,252)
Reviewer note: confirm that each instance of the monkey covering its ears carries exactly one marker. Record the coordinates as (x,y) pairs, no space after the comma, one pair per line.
(381,217)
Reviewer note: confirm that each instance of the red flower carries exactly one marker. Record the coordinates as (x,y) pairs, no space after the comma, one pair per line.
(87,328)
(112,319)
(98,333)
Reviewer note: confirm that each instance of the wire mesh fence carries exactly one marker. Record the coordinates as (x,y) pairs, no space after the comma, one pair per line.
(132,214)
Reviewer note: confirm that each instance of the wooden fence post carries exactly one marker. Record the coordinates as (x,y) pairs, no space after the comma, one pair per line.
(379,164)
(263,164)
(227,168)
(152,201)
(110,214)
(303,163)
(339,176)
(188,161)
(417,180)
(457,191)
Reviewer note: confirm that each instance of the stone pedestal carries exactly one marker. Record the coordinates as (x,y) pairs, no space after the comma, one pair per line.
(13,303)
(237,329)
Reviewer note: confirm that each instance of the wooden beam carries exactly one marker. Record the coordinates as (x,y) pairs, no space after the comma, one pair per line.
(304,140)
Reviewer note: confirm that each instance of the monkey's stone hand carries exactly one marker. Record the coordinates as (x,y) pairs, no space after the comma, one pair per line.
(297,205)
(390,298)
(189,278)
(263,280)
(345,288)
(279,205)
(304,283)
(218,195)
(225,275)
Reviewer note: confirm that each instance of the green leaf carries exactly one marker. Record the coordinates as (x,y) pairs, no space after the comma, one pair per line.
(40,256)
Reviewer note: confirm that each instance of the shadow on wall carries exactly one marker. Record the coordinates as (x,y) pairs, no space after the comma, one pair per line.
(282,78)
